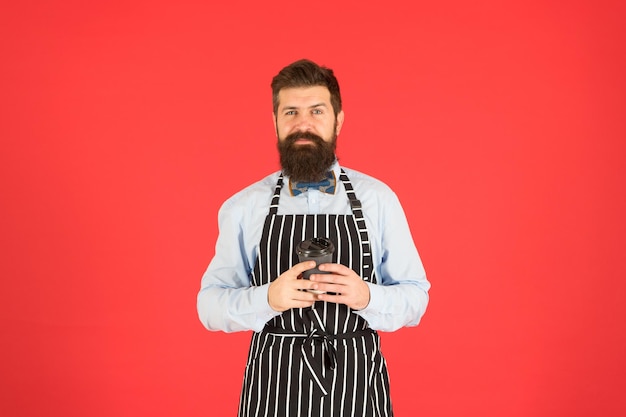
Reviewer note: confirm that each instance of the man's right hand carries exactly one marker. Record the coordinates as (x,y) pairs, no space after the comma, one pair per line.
(289,291)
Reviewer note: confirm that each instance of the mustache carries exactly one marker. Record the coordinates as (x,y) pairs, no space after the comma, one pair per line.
(291,138)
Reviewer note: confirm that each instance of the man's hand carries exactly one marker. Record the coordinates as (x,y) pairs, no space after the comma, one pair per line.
(285,292)
(349,287)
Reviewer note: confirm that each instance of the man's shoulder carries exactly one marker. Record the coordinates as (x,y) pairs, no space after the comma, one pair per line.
(361,180)
(374,193)
(256,192)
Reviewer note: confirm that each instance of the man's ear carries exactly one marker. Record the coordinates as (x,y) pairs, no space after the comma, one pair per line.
(274,120)
(340,117)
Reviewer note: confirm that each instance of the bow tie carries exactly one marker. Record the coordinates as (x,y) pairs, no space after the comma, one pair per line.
(327,185)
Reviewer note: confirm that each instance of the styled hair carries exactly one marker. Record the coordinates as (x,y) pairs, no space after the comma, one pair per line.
(306,73)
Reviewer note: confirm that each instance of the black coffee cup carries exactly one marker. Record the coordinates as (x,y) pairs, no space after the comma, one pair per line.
(318,249)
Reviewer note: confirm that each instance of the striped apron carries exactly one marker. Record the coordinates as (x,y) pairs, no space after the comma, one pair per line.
(321,361)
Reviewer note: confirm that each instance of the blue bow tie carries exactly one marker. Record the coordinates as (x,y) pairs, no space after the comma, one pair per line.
(327,185)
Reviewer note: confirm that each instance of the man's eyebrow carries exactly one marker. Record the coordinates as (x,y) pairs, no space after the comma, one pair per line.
(309,107)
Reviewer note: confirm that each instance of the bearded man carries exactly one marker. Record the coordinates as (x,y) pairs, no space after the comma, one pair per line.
(315,348)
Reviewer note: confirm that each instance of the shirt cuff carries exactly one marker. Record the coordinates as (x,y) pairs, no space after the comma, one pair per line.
(376,303)
(264,313)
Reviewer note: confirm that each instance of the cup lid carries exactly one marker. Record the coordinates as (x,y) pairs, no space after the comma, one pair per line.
(317,246)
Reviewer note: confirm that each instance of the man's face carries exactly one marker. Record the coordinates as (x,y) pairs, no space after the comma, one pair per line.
(307,130)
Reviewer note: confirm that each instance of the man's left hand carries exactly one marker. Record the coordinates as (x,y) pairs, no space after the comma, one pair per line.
(348,286)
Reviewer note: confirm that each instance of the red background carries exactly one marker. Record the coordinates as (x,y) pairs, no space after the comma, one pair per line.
(125,125)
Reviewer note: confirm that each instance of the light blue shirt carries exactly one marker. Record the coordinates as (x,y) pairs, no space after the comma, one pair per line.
(228,302)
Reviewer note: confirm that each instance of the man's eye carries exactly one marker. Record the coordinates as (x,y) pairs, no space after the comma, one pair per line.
(317,111)
(290,113)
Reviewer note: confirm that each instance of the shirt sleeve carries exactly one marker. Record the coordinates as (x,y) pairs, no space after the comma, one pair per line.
(400,296)
(227,301)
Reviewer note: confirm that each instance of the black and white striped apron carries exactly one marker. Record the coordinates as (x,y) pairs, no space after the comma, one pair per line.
(322,361)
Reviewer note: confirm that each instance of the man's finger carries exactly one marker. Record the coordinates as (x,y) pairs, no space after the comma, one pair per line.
(303,266)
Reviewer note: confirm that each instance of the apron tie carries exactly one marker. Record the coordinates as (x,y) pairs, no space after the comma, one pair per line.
(326,360)
(328,347)
(316,338)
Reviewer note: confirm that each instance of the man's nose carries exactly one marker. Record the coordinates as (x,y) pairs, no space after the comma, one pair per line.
(304,122)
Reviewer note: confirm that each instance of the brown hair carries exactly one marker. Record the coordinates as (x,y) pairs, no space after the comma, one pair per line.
(306,73)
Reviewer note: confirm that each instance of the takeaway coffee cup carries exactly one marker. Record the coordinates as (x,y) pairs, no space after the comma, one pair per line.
(318,249)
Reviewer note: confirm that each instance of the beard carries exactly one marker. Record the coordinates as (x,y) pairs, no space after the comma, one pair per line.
(308,162)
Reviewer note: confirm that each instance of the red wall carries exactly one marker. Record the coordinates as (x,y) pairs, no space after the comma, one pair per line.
(499,124)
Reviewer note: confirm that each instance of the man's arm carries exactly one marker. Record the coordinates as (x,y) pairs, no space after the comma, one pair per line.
(226,300)
(400,296)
